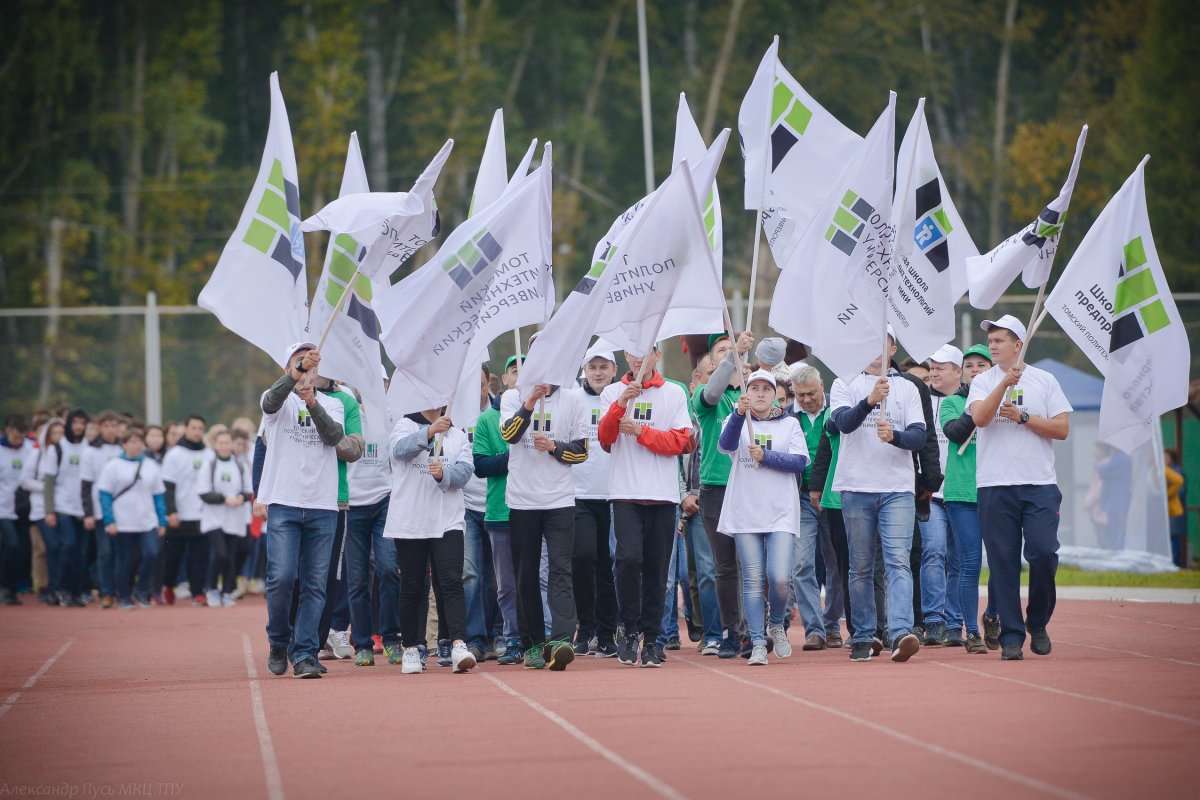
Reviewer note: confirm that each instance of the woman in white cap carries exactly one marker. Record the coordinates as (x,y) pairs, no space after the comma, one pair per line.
(762,508)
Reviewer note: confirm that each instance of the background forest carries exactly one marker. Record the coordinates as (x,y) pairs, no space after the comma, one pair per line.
(130,133)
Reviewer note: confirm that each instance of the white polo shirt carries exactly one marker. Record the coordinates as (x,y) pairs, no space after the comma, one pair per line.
(1009,454)
(866,464)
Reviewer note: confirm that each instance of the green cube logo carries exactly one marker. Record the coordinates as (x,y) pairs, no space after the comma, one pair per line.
(588,281)
(275,229)
(789,121)
(643,411)
(541,422)
(846,228)
(763,440)
(472,259)
(346,253)
(1138,311)
(304,418)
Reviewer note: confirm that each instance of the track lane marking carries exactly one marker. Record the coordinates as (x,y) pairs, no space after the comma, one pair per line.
(1128,652)
(32,679)
(271,774)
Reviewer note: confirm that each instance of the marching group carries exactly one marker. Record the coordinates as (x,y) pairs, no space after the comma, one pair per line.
(567,519)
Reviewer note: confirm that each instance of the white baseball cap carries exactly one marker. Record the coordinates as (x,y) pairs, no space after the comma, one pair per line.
(891,332)
(948,354)
(1008,322)
(597,351)
(760,375)
(297,347)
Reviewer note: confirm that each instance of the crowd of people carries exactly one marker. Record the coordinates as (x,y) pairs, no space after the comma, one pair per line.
(570,521)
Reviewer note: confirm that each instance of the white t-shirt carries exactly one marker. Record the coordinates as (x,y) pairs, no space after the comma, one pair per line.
(538,480)
(68,497)
(419,508)
(591,477)
(229,478)
(943,442)
(32,471)
(758,499)
(94,459)
(300,470)
(12,465)
(475,492)
(636,473)
(370,477)
(1009,454)
(181,466)
(134,510)
(866,464)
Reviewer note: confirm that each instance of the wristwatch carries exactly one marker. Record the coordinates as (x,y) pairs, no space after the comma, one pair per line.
(1024,418)
(300,366)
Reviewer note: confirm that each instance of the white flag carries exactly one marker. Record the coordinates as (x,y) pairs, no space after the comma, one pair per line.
(661,260)
(350,352)
(394,224)
(800,148)
(258,288)
(831,292)
(1114,302)
(929,272)
(1029,253)
(492,260)
(689,146)
(520,308)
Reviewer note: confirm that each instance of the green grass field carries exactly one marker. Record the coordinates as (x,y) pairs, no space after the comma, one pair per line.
(1071,576)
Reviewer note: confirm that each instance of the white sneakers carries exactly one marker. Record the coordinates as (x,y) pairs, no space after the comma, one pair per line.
(758,656)
(778,634)
(214,598)
(461,658)
(339,643)
(711,647)
(228,601)
(410,662)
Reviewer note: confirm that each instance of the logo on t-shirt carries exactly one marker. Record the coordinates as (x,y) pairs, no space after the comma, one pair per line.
(73,460)
(471,434)
(16,463)
(595,416)
(196,463)
(373,450)
(763,440)
(540,422)
(1017,396)
(227,477)
(643,411)
(304,418)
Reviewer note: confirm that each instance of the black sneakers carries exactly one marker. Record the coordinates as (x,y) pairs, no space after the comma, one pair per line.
(606,648)
(628,652)
(306,668)
(861,651)
(991,632)
(650,657)
(906,647)
(1011,651)
(730,647)
(581,646)
(277,660)
(1039,641)
(953,638)
(934,633)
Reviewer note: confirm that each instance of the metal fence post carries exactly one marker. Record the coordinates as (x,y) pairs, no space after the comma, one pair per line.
(153,362)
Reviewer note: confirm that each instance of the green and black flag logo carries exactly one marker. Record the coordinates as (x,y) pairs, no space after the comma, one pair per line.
(933,226)
(1137,309)
(789,121)
(275,230)
(588,281)
(1048,225)
(347,254)
(472,258)
(846,229)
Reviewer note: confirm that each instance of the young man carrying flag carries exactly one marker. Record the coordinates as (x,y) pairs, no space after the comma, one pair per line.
(645,427)
(541,499)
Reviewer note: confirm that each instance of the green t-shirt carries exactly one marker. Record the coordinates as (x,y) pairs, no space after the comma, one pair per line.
(714,465)
(812,438)
(352,424)
(488,442)
(830,498)
(960,470)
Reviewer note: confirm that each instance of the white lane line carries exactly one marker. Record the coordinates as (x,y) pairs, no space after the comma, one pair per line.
(1128,652)
(962,758)
(657,785)
(1077,695)
(15,696)
(270,763)
(1149,622)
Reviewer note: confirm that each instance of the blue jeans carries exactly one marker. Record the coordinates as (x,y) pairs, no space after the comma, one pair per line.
(706,576)
(770,553)
(968,548)
(364,539)
(75,545)
(477,579)
(299,545)
(676,574)
(135,552)
(934,565)
(506,578)
(804,569)
(56,554)
(871,518)
(106,568)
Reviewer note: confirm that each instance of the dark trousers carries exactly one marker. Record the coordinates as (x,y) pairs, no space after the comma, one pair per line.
(527,529)
(444,558)
(226,551)
(592,571)
(914,564)
(645,539)
(837,535)
(188,546)
(1008,515)
(135,555)
(729,577)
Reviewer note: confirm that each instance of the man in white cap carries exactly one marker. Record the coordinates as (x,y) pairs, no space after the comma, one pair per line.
(591,562)
(299,488)
(939,560)
(1019,410)
(645,427)
(875,478)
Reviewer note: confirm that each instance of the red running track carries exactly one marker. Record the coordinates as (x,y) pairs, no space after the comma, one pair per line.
(165,703)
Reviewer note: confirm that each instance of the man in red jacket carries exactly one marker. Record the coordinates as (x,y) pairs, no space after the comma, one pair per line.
(645,427)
